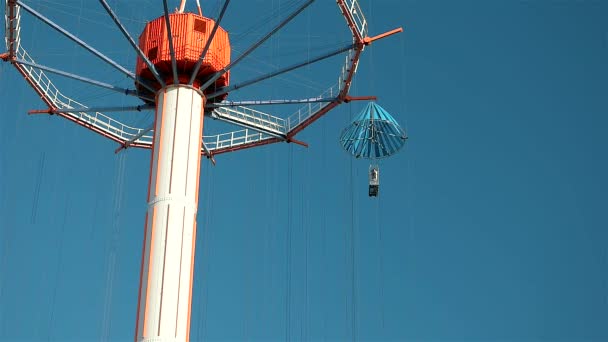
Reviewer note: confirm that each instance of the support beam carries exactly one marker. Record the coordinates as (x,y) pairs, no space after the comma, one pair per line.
(208,153)
(269,102)
(171,47)
(261,129)
(182,6)
(126,145)
(369,40)
(11,32)
(257,44)
(200,11)
(197,67)
(349,98)
(93,109)
(82,44)
(226,90)
(132,42)
(297,142)
(78,78)
(350,20)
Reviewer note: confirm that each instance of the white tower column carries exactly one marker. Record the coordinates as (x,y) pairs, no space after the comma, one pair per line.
(167,266)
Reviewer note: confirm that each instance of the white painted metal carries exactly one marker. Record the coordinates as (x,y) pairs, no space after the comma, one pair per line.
(234,139)
(310,109)
(182,6)
(251,118)
(355,12)
(168,259)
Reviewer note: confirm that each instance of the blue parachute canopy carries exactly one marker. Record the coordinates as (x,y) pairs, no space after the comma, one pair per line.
(373,134)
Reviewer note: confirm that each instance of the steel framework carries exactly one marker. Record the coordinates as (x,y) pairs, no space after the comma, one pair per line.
(259,128)
(177,141)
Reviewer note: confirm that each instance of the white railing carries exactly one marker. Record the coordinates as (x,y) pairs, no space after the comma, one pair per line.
(99,120)
(232,139)
(310,109)
(357,15)
(12,26)
(252,118)
(348,65)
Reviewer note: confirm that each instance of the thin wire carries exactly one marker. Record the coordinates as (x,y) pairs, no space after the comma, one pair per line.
(304,231)
(113,245)
(247,257)
(324,217)
(352,254)
(371,55)
(59,268)
(380,261)
(53,6)
(207,251)
(37,187)
(346,238)
(272,16)
(305,214)
(6,232)
(288,247)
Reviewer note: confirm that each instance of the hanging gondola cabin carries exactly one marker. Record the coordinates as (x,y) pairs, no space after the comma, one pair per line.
(374,180)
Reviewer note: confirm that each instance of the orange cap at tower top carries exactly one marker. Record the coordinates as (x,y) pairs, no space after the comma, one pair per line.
(190,34)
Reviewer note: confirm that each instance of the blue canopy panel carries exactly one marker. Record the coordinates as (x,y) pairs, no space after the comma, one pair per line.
(373,134)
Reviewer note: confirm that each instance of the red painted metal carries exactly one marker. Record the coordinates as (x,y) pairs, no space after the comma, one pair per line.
(190,34)
(312,119)
(359,42)
(297,142)
(11,16)
(350,21)
(40,111)
(351,72)
(349,98)
(369,40)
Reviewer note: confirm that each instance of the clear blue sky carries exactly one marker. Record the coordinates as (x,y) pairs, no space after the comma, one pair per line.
(491,224)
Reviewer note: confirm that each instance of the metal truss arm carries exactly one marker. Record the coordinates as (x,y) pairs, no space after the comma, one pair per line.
(11,34)
(209,40)
(257,44)
(132,42)
(226,90)
(80,42)
(269,102)
(171,47)
(208,153)
(351,12)
(239,122)
(78,78)
(93,109)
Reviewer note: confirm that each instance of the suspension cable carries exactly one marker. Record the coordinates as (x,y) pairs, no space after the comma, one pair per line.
(37,187)
(119,180)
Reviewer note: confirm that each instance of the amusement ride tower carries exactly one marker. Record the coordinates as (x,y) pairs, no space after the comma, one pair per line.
(183,74)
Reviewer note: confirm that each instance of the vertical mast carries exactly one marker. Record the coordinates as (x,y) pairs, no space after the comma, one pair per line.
(170,231)
(182,6)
